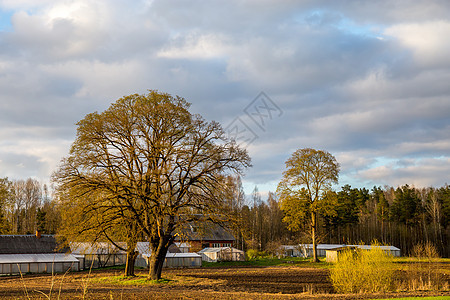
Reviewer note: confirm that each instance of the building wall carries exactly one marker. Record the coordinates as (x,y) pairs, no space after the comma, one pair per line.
(199,245)
(34,267)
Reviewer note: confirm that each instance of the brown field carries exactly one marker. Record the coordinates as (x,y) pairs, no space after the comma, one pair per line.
(278,282)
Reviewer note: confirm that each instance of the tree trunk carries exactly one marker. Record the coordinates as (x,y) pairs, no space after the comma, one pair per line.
(313,235)
(159,251)
(131,259)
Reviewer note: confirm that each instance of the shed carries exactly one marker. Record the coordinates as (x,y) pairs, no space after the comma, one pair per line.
(222,254)
(332,255)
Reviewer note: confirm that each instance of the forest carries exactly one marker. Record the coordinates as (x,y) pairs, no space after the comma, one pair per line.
(402,216)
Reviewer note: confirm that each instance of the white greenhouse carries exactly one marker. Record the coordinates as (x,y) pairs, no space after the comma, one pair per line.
(306,250)
(37,263)
(182,260)
(222,254)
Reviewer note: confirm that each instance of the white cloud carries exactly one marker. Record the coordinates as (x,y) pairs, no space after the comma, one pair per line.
(420,173)
(203,46)
(426,41)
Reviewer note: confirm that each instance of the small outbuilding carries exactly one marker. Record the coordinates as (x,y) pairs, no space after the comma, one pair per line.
(222,254)
(332,255)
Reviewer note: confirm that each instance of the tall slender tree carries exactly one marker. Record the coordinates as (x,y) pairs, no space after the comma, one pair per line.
(308,177)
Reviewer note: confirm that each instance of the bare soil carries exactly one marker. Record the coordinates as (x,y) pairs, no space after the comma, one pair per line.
(201,283)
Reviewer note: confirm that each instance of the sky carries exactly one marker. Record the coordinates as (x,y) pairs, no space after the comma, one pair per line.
(367,81)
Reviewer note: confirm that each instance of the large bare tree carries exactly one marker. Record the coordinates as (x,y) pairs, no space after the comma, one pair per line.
(149,159)
(308,177)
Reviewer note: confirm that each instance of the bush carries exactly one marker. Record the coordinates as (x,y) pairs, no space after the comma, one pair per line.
(358,271)
(254,253)
(425,251)
(424,274)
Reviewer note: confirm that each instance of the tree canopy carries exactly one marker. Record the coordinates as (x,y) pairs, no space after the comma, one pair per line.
(148,161)
(308,177)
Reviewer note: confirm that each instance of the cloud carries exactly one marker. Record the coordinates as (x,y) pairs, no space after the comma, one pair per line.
(420,173)
(368,83)
(425,41)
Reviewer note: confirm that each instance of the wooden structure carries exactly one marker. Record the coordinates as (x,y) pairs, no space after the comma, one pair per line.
(205,235)
(332,255)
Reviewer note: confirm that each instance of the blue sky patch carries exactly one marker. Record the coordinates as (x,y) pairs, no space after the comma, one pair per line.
(5,20)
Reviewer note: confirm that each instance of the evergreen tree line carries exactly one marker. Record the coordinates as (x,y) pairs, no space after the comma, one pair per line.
(403,216)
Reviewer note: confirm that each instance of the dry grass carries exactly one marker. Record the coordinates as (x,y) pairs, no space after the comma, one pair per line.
(424,272)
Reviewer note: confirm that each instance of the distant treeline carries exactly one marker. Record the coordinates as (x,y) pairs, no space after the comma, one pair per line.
(25,206)
(403,216)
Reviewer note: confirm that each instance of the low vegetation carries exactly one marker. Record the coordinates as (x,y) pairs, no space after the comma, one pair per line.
(362,271)
(359,271)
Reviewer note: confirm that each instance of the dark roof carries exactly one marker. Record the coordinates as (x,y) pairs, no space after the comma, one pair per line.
(173,249)
(28,244)
(206,232)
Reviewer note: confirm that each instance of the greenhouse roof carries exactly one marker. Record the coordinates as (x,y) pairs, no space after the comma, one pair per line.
(334,246)
(218,249)
(36,258)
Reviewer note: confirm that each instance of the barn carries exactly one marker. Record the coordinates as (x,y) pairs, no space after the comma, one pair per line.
(34,254)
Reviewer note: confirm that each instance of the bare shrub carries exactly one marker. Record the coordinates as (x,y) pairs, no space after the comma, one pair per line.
(359,271)
(423,273)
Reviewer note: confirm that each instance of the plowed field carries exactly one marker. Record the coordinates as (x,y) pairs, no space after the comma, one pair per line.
(202,283)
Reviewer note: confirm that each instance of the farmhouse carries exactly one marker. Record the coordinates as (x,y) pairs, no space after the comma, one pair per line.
(34,254)
(209,235)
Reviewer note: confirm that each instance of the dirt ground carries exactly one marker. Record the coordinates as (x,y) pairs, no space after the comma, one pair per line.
(200,283)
